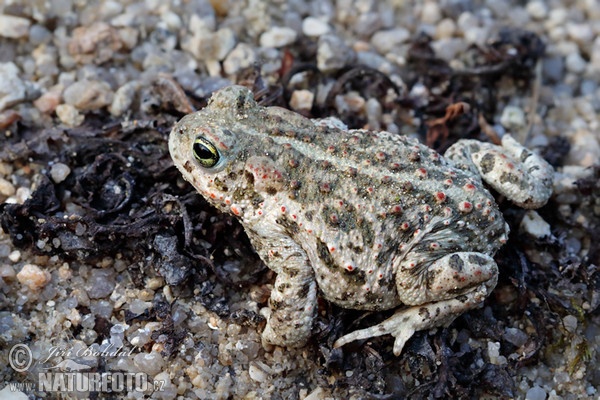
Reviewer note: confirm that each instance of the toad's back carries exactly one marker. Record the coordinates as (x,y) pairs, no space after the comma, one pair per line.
(359,203)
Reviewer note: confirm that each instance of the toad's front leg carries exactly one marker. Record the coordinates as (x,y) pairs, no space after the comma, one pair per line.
(439,293)
(293,299)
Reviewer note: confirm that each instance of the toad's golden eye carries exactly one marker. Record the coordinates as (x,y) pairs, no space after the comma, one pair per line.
(205,152)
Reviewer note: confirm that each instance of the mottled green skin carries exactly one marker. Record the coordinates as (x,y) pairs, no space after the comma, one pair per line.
(367,212)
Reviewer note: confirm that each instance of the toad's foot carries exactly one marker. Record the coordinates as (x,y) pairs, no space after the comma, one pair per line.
(404,323)
(522,176)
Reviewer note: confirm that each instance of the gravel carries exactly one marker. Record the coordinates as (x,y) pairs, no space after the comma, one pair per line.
(67,64)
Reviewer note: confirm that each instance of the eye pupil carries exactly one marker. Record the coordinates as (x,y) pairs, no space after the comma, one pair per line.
(205,152)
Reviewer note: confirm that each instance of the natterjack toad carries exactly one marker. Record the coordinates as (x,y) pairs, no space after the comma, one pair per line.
(369,220)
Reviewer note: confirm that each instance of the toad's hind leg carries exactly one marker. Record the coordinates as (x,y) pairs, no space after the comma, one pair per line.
(439,293)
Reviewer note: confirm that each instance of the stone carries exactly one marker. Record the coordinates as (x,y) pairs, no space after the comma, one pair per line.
(513,118)
(302,100)
(278,37)
(12,89)
(87,95)
(575,63)
(69,115)
(59,172)
(94,44)
(242,56)
(13,27)
(333,53)
(314,27)
(33,277)
(384,41)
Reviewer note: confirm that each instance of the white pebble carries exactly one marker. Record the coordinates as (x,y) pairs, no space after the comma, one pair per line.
(242,56)
(314,27)
(302,100)
(33,277)
(537,9)
(570,323)
(431,13)
(580,33)
(513,118)
(536,393)
(13,27)
(12,88)
(14,256)
(59,172)
(575,63)
(278,37)
(69,115)
(257,374)
(535,225)
(445,29)
(384,41)
(6,188)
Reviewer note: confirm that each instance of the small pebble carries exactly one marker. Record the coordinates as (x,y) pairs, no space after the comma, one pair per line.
(69,115)
(575,63)
(537,9)
(101,283)
(515,336)
(302,100)
(536,393)
(570,323)
(314,27)
(150,363)
(257,374)
(13,27)
(12,88)
(580,33)
(15,256)
(59,172)
(242,56)
(7,272)
(94,44)
(431,12)
(33,277)
(6,188)
(278,37)
(513,118)
(333,53)
(123,98)
(384,41)
(87,95)
(445,29)
(535,225)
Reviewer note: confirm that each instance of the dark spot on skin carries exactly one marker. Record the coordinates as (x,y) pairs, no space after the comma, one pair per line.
(220,185)
(291,227)
(525,154)
(271,190)
(357,249)
(188,167)
(324,254)
(283,287)
(304,290)
(475,259)
(232,175)
(240,104)
(509,177)
(309,215)
(274,304)
(424,313)
(249,177)
(456,263)
(487,163)
(289,272)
